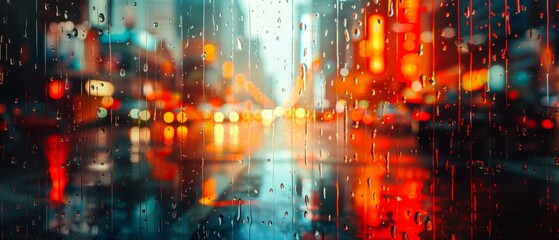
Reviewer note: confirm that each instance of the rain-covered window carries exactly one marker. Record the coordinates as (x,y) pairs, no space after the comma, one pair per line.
(279,119)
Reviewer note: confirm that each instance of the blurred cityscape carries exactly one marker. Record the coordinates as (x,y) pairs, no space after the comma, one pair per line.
(306,119)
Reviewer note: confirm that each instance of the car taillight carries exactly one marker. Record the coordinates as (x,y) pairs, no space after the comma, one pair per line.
(421,116)
(547,124)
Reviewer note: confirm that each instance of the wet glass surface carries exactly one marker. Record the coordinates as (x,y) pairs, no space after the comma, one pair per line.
(241,119)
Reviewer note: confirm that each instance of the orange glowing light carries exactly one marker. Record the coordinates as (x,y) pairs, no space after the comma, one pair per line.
(228,70)
(356,115)
(475,80)
(182,132)
(56,89)
(167,67)
(375,44)
(169,133)
(410,63)
(107,102)
(209,50)
(182,117)
(327,116)
(168,117)
(368,119)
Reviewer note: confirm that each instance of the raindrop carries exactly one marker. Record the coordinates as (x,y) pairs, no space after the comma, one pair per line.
(356,32)
(306,214)
(145,67)
(239,44)
(346,35)
(417,218)
(101,17)
(302,26)
(155,24)
(122,72)
(467,12)
(220,219)
(270,223)
(405,236)
(428,224)
(393,231)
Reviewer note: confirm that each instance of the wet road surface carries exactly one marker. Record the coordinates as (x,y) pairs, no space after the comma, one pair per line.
(289,180)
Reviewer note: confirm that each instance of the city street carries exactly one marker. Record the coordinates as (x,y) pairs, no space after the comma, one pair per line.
(284,119)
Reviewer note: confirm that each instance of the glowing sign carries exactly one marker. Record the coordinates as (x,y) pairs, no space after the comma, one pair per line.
(373,48)
(99,88)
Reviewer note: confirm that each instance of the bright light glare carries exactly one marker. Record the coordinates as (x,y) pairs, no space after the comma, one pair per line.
(144,115)
(182,117)
(279,111)
(134,113)
(300,113)
(416,86)
(233,117)
(218,117)
(168,117)
(267,115)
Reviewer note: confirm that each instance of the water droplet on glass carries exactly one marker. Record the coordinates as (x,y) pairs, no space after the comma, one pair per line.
(356,32)
(239,44)
(405,236)
(145,67)
(417,218)
(155,24)
(346,35)
(101,17)
(302,26)
(428,224)
(393,231)
(220,219)
(122,72)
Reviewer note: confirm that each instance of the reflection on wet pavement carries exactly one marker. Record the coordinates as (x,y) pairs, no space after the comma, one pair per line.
(205,181)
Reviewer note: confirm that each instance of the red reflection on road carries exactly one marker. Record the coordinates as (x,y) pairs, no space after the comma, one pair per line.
(56,152)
